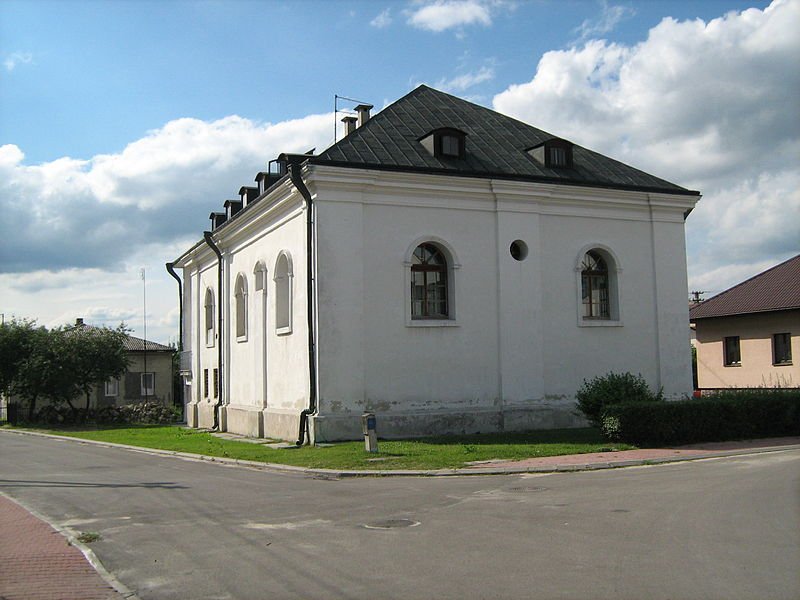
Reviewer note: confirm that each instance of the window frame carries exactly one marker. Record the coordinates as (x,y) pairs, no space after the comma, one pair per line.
(786,359)
(143,389)
(114,382)
(453,265)
(284,293)
(240,308)
(209,318)
(732,354)
(614,287)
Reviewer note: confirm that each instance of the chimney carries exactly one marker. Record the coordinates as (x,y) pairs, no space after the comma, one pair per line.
(363,113)
(79,322)
(349,125)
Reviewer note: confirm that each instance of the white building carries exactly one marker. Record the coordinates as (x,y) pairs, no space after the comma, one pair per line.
(444,266)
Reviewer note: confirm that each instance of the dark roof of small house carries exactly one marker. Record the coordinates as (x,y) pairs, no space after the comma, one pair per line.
(134,344)
(777,288)
(496,146)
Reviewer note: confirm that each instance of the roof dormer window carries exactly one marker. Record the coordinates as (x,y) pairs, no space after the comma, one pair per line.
(555,153)
(445,143)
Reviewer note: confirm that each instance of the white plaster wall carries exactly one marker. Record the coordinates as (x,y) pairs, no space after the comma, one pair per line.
(287,372)
(516,340)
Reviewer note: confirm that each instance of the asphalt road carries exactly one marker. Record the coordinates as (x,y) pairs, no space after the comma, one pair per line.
(172,528)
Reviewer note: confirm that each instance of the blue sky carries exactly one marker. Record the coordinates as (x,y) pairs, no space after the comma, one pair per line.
(123,124)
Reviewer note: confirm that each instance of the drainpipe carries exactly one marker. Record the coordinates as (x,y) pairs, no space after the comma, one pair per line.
(297,180)
(210,241)
(171,270)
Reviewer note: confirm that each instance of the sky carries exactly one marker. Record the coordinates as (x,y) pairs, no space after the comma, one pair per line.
(123,124)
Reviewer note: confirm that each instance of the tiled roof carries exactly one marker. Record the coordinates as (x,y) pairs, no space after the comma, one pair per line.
(495,146)
(134,344)
(777,288)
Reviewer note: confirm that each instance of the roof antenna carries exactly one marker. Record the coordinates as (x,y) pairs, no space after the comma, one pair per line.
(696,295)
(336,111)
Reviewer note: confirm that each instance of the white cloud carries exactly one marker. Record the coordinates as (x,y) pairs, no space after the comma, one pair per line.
(609,18)
(447,14)
(17,58)
(384,19)
(77,231)
(462,82)
(711,106)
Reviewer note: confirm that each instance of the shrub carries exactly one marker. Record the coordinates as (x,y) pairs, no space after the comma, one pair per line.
(614,388)
(726,416)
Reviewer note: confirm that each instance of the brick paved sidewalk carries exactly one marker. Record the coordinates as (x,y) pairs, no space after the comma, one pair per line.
(37,562)
(707,450)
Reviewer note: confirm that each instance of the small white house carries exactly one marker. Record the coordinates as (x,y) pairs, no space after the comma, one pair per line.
(444,266)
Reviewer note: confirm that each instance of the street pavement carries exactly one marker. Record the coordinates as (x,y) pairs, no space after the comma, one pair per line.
(176,528)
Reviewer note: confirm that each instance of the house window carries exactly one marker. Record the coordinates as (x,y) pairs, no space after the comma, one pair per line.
(216,383)
(557,156)
(733,355)
(240,294)
(209,318)
(451,145)
(594,287)
(148,384)
(205,383)
(782,349)
(112,387)
(283,294)
(445,142)
(429,283)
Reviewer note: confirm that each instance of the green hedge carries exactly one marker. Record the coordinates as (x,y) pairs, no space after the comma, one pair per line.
(723,416)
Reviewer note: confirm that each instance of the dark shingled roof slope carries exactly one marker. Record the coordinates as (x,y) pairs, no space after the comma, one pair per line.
(134,344)
(495,146)
(777,288)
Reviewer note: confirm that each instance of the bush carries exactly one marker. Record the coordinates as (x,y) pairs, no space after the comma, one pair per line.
(149,413)
(614,388)
(724,416)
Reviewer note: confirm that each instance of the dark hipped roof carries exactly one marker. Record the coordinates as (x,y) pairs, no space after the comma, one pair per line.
(777,288)
(495,146)
(134,344)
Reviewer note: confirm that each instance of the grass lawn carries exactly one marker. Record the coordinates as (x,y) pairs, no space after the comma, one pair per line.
(425,453)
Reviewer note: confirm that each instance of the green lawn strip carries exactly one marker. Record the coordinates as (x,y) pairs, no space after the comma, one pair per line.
(426,453)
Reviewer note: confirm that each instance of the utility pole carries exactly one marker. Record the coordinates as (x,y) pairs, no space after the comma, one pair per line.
(144,319)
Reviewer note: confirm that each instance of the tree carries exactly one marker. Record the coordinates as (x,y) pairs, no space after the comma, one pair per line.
(16,343)
(42,372)
(61,364)
(94,355)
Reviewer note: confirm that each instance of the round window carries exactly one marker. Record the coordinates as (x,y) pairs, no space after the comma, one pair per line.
(519,250)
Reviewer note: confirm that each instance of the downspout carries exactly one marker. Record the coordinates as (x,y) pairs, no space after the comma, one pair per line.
(210,241)
(297,180)
(171,270)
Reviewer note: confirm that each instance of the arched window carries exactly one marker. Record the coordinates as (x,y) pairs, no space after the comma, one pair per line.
(429,283)
(209,317)
(283,294)
(595,287)
(240,295)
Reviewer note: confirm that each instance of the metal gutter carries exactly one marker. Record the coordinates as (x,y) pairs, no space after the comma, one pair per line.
(171,270)
(294,167)
(220,337)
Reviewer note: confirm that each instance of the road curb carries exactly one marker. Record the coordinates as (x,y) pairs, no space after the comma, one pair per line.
(347,473)
(72,539)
